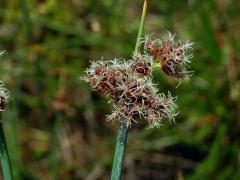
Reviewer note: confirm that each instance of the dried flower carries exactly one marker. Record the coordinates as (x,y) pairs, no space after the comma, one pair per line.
(129,83)
(171,54)
(142,64)
(3,52)
(132,93)
(4,93)
(4,96)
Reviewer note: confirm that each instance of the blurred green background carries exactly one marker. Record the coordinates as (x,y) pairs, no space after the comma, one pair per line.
(55,125)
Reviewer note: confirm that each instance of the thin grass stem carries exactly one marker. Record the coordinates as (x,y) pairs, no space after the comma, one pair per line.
(141,26)
(119,151)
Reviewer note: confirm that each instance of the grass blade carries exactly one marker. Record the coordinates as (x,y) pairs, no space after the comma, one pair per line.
(6,166)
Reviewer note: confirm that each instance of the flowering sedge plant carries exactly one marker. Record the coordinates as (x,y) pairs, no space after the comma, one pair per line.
(4,157)
(129,85)
(129,82)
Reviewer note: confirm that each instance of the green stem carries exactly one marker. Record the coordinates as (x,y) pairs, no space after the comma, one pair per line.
(6,166)
(122,131)
(141,26)
(119,151)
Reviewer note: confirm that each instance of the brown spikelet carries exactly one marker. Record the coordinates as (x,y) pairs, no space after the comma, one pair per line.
(130,93)
(171,54)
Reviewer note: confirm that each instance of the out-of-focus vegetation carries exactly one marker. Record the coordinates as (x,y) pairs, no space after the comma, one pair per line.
(55,126)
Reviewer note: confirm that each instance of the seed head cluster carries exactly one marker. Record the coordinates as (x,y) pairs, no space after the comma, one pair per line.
(129,83)
(172,55)
(4,93)
(4,96)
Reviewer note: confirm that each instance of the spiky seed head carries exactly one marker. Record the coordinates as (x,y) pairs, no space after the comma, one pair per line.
(4,96)
(4,93)
(173,55)
(129,83)
(132,95)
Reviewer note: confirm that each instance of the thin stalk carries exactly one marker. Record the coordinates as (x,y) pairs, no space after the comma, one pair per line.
(6,166)
(122,131)
(141,26)
(119,151)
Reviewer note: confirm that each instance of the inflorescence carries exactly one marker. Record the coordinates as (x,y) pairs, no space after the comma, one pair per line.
(129,83)
(172,55)
(4,96)
(4,93)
